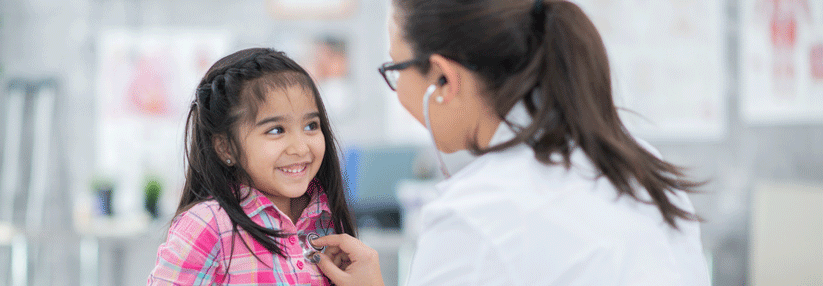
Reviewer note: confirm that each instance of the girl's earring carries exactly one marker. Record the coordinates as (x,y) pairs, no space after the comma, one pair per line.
(439,99)
(228,161)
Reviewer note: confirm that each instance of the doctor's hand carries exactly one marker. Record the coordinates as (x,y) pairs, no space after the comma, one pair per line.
(340,258)
(360,263)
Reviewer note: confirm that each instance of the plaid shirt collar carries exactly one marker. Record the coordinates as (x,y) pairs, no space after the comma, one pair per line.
(257,202)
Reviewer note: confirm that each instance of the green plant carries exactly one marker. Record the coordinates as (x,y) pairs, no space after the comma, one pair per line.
(153,189)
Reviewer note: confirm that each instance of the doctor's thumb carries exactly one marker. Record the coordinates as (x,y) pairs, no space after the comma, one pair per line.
(326,265)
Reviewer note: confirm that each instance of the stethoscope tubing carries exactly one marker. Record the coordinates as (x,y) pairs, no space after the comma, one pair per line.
(426,99)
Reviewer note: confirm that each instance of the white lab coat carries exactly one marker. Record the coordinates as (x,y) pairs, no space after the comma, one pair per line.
(507,219)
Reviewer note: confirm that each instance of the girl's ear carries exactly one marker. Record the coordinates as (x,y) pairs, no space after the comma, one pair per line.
(222,147)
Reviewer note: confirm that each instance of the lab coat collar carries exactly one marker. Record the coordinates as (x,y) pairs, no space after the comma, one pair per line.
(519,117)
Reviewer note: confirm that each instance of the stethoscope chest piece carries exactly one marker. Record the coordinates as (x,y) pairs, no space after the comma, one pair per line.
(309,249)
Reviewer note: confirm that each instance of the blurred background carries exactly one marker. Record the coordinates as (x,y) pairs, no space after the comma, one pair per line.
(94,94)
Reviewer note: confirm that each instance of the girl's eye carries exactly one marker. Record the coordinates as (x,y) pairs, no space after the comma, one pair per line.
(312,126)
(276,131)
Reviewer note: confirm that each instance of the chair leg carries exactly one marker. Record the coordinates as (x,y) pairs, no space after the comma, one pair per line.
(19,261)
(89,261)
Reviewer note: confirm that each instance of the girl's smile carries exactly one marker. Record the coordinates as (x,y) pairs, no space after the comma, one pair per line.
(295,170)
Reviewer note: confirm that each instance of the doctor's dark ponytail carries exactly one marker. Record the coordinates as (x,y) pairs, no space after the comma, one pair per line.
(548,54)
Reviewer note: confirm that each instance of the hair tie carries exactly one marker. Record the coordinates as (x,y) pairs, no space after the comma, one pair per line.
(538,7)
(203,97)
(539,15)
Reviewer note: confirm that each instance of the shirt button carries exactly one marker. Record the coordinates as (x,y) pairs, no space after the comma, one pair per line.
(292,239)
(300,265)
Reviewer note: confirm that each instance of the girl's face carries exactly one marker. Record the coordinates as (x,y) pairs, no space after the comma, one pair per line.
(284,145)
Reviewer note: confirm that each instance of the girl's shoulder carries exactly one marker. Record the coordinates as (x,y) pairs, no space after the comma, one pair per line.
(205,213)
(198,232)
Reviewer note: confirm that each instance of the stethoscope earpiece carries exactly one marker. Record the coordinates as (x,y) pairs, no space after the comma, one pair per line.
(426,98)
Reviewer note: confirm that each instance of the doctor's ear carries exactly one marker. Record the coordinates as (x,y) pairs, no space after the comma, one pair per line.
(448,74)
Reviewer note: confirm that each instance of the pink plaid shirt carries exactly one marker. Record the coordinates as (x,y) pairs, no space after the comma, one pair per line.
(198,248)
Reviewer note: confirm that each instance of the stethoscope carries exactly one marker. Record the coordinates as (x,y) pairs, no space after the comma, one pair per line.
(426,98)
(309,249)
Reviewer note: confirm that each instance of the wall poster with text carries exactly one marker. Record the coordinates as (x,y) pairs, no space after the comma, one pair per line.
(667,65)
(781,61)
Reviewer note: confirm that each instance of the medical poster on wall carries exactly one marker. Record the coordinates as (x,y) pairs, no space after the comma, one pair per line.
(781,61)
(145,86)
(666,60)
(311,9)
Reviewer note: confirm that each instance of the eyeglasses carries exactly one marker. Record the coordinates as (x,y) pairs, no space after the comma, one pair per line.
(391,71)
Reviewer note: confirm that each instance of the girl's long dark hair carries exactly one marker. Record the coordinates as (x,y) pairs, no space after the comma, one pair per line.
(226,97)
(517,46)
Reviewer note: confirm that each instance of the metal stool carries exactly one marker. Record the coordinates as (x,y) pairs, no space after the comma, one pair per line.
(11,235)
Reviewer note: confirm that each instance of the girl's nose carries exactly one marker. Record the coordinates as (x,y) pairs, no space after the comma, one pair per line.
(298,146)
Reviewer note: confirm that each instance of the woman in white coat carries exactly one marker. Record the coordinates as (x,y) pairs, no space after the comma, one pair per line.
(561,193)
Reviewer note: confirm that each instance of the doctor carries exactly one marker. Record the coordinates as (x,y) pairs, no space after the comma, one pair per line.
(561,193)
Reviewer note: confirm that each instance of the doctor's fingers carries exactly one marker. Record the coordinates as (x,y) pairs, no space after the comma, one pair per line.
(341,260)
(336,255)
(332,271)
(359,273)
(355,249)
(332,250)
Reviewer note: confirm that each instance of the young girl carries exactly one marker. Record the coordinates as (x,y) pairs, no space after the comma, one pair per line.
(262,175)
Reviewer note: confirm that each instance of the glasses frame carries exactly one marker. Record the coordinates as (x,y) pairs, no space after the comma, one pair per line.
(391,66)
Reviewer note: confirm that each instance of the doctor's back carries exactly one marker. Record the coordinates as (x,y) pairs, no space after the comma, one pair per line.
(508,219)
